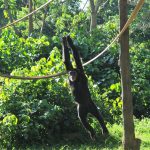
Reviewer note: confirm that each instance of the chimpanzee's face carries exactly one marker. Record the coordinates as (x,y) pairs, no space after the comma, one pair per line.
(72,75)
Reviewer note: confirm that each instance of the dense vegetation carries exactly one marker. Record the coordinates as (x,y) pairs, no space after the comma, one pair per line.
(41,111)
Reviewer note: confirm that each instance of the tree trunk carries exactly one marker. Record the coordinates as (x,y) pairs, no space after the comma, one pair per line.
(30,18)
(9,15)
(94,10)
(93,20)
(129,142)
(43,20)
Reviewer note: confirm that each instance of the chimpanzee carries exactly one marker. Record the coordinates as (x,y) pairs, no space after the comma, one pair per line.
(79,86)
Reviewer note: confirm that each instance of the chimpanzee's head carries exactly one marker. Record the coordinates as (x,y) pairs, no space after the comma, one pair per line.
(72,75)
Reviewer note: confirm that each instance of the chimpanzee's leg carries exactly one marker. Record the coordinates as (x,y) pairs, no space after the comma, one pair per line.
(82,114)
(94,111)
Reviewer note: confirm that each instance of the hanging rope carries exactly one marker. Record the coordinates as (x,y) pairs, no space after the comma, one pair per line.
(129,21)
(32,78)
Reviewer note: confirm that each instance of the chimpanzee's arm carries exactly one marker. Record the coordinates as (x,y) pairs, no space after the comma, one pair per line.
(75,54)
(66,56)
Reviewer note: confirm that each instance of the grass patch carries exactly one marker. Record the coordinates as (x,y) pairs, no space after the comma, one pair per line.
(142,130)
(112,142)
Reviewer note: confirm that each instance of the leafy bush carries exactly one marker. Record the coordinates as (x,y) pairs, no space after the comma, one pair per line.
(43,109)
(40,107)
(18,52)
(108,101)
(141,79)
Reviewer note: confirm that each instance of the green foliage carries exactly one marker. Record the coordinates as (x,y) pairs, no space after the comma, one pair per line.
(18,52)
(114,141)
(40,111)
(108,101)
(44,109)
(141,78)
(38,108)
(8,128)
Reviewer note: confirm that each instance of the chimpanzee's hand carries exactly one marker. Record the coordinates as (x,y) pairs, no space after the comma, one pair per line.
(70,42)
(64,40)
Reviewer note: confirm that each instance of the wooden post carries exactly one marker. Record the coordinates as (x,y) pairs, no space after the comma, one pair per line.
(129,142)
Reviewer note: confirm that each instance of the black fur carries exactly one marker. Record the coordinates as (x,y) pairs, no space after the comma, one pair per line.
(80,89)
